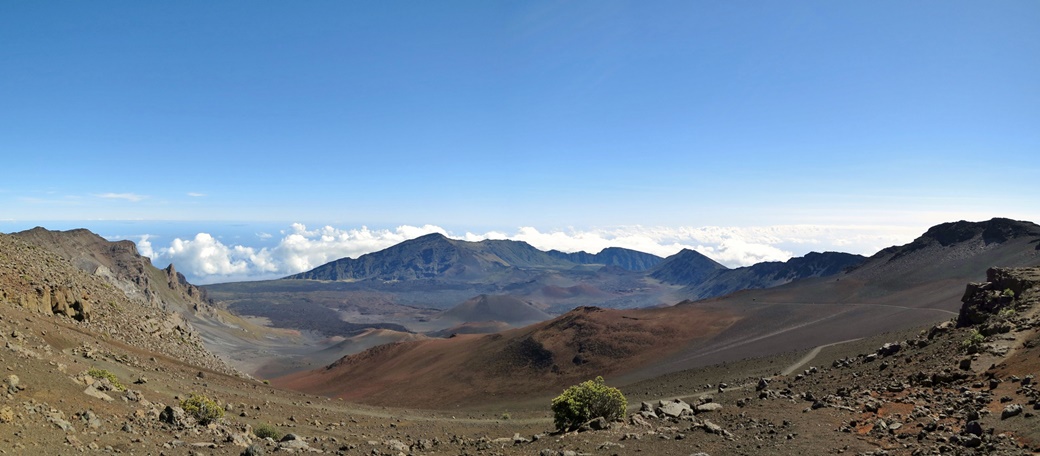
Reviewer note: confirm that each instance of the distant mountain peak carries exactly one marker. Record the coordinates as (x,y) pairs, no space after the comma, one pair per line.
(431,237)
(994,231)
(435,256)
(687,267)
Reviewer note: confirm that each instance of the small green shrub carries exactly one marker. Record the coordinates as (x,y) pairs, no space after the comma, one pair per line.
(1008,293)
(1006,312)
(104,374)
(204,409)
(973,340)
(265,430)
(585,401)
(505,416)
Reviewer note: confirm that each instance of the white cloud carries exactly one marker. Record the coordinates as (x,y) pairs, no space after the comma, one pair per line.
(132,197)
(206,256)
(204,259)
(196,194)
(144,247)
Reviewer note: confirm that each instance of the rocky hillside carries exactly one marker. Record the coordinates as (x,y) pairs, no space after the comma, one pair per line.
(964,386)
(123,267)
(877,297)
(84,375)
(44,283)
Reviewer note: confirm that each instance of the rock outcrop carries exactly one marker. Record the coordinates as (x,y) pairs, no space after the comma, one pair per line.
(986,299)
(57,282)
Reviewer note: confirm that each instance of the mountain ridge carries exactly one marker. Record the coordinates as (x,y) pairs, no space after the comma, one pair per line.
(773,273)
(781,367)
(628,259)
(433,256)
(864,301)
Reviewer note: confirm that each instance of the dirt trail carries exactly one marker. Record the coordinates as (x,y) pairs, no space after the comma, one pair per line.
(812,354)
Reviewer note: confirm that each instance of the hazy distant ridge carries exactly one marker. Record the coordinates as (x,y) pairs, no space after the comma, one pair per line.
(632,260)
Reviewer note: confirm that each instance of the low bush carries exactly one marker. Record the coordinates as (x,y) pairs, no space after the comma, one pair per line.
(973,341)
(585,401)
(264,431)
(104,374)
(204,409)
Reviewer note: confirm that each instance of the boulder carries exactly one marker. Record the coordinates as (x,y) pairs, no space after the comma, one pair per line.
(673,409)
(713,428)
(293,445)
(637,419)
(96,393)
(176,417)
(599,424)
(1010,411)
(763,383)
(254,450)
(889,349)
(973,427)
(90,419)
(708,407)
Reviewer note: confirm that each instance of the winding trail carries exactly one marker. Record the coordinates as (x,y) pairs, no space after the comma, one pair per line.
(786,371)
(809,356)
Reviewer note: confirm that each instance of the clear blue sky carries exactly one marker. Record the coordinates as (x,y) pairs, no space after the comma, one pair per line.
(495,114)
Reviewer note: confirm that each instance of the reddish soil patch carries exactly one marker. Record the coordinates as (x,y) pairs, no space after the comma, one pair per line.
(538,359)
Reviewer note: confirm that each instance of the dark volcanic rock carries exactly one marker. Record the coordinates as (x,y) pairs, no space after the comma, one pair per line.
(982,300)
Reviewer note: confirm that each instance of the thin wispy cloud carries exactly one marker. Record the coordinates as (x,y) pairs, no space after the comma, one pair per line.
(196,194)
(132,197)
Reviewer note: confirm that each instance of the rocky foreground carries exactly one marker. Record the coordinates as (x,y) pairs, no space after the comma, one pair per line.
(96,380)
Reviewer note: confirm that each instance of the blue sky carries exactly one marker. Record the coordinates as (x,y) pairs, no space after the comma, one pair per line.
(481,117)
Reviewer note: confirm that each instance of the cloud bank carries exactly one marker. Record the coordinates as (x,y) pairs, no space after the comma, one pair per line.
(205,259)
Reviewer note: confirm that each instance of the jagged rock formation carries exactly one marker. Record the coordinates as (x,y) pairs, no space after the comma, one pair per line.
(122,266)
(66,299)
(35,278)
(995,295)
